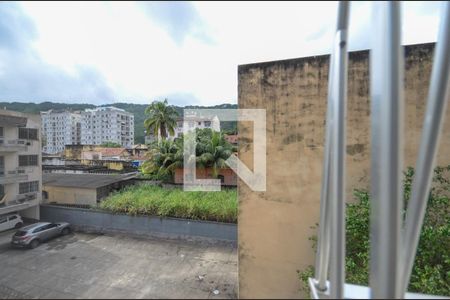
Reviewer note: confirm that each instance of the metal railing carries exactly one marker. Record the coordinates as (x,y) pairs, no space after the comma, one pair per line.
(12,176)
(13,145)
(393,244)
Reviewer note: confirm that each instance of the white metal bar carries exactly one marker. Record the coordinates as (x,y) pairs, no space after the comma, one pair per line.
(386,66)
(438,95)
(323,242)
(332,197)
(337,199)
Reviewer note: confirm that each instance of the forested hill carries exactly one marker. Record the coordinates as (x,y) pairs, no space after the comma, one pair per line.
(136,109)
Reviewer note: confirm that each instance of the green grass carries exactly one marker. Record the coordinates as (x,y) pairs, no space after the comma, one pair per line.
(156,201)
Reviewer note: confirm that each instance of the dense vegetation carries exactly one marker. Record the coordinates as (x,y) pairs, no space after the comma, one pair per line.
(110,145)
(431,272)
(153,200)
(164,157)
(137,109)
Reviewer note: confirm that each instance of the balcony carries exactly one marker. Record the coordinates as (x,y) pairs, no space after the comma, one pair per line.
(13,145)
(20,202)
(7,177)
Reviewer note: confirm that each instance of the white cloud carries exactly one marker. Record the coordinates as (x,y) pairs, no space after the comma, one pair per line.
(142,58)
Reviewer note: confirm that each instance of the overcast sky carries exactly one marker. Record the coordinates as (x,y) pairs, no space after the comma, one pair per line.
(107,52)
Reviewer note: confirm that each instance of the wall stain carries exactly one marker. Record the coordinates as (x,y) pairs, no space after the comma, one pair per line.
(355,149)
(293,138)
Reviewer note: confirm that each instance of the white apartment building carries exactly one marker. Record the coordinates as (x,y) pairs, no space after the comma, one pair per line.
(192,124)
(60,128)
(107,124)
(20,164)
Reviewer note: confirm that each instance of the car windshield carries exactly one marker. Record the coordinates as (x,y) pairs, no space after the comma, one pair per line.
(20,233)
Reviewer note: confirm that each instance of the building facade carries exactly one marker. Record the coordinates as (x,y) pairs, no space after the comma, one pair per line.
(192,124)
(60,128)
(20,164)
(294,94)
(107,124)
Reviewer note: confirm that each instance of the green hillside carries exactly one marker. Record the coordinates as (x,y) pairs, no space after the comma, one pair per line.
(136,109)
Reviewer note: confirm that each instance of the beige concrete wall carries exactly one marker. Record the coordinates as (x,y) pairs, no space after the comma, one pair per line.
(274,226)
(71,195)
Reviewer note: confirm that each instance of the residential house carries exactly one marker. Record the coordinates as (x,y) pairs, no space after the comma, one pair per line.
(104,153)
(82,189)
(20,163)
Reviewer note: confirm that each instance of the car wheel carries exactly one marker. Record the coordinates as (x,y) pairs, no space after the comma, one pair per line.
(18,225)
(65,231)
(34,243)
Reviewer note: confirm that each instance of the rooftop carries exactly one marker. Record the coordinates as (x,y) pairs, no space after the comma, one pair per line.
(88,181)
(108,151)
(106,108)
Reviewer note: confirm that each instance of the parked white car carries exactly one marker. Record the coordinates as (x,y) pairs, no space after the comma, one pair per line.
(10,221)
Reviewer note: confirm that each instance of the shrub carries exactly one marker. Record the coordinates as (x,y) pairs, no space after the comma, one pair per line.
(153,200)
(431,271)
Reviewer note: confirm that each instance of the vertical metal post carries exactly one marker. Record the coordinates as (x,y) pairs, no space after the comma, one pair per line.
(337,200)
(437,101)
(386,74)
(332,215)
(323,242)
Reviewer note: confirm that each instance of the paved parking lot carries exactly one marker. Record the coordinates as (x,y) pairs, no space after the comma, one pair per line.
(84,265)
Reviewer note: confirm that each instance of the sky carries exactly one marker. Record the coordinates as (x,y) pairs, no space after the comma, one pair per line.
(188,52)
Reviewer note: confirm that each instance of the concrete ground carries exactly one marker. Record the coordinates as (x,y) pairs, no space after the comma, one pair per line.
(84,265)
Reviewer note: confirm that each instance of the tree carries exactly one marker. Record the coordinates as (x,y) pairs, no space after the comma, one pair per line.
(163,158)
(212,150)
(214,153)
(161,119)
(110,145)
(430,274)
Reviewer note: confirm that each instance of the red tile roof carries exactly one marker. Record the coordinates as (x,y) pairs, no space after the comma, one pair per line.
(112,151)
(231,138)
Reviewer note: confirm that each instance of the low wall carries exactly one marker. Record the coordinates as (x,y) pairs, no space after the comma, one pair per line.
(95,220)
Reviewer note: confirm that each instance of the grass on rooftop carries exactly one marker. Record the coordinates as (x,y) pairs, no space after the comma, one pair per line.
(157,201)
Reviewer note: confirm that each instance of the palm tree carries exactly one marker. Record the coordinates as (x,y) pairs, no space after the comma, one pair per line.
(215,153)
(164,158)
(161,119)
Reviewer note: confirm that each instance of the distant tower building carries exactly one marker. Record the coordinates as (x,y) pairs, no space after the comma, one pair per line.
(194,123)
(107,124)
(60,128)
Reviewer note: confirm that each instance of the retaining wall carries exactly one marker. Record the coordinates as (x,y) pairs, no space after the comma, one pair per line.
(101,221)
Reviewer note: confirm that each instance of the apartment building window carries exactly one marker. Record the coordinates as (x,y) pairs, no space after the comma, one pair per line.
(28,187)
(1,132)
(28,133)
(207,123)
(2,165)
(28,160)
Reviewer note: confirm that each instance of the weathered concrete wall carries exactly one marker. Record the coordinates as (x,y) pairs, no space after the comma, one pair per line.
(70,195)
(230,178)
(101,221)
(274,226)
